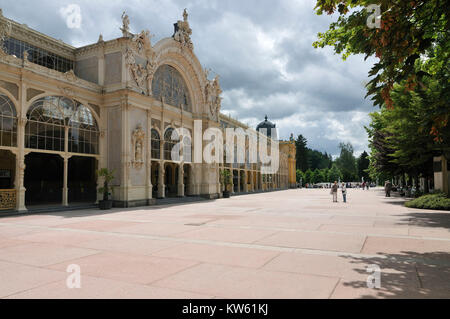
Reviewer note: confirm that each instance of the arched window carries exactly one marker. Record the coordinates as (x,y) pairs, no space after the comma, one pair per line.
(156,144)
(83,132)
(8,122)
(49,117)
(170,140)
(187,149)
(169,84)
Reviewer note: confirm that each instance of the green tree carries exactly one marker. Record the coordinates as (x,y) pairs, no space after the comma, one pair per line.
(363,163)
(301,153)
(300,176)
(316,176)
(346,162)
(308,176)
(409,31)
(334,174)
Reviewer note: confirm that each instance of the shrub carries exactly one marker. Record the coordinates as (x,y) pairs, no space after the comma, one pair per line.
(438,201)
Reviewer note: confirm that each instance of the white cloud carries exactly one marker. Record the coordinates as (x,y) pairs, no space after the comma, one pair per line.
(72,16)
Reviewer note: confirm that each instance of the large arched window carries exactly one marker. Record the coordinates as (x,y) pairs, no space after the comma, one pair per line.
(49,117)
(8,122)
(169,84)
(156,144)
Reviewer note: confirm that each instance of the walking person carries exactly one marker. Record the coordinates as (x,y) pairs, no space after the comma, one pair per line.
(344,192)
(334,191)
(388,188)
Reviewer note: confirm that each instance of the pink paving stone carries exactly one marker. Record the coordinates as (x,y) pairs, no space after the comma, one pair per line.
(59,237)
(6,242)
(39,254)
(155,229)
(430,232)
(128,268)
(98,225)
(415,248)
(99,288)
(41,220)
(365,230)
(130,245)
(239,220)
(21,278)
(226,234)
(434,277)
(359,290)
(243,283)
(232,256)
(16,230)
(315,240)
(352,269)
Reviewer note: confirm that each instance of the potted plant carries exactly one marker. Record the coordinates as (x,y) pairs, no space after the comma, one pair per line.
(226,181)
(108,176)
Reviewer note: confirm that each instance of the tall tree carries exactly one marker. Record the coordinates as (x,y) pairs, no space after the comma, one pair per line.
(409,31)
(346,162)
(363,163)
(302,153)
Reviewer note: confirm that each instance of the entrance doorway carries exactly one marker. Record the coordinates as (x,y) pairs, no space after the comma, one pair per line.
(43,180)
(82,179)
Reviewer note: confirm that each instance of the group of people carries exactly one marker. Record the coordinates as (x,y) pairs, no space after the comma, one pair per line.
(334,192)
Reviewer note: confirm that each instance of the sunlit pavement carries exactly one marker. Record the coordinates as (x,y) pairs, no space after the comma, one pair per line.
(289,244)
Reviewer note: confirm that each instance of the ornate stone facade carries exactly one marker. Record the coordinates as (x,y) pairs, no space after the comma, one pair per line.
(116,121)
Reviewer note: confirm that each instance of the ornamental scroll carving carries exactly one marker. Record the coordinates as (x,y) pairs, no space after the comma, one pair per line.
(213,99)
(183,32)
(141,44)
(137,142)
(5,30)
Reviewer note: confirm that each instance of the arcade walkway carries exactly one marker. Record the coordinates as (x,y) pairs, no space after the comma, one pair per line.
(286,244)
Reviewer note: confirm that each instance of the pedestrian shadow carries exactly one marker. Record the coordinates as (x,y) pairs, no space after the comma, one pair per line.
(408,275)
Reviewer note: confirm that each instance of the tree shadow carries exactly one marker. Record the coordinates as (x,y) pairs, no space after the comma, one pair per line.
(428,219)
(407,275)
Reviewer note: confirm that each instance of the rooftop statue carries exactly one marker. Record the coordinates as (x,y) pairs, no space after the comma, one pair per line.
(183,32)
(125,25)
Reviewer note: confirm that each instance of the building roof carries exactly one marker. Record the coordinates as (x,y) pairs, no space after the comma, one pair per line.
(268,126)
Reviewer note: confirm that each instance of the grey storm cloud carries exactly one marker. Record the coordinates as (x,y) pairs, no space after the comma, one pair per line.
(262,50)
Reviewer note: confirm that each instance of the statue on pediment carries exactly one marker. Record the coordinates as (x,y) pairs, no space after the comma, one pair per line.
(125,25)
(183,32)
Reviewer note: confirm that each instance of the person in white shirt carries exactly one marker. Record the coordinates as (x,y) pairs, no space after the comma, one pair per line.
(344,192)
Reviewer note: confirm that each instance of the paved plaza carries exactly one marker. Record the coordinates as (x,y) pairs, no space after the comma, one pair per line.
(287,244)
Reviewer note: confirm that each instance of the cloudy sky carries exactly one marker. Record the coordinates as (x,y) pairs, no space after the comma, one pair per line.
(262,50)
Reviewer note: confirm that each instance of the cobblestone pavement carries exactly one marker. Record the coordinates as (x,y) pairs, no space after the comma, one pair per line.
(288,244)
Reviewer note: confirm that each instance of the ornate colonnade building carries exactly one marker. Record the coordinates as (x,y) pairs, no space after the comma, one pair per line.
(65,112)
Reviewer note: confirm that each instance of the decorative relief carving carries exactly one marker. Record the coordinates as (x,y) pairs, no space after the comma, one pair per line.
(212,95)
(70,76)
(138,72)
(5,30)
(137,142)
(67,91)
(183,32)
